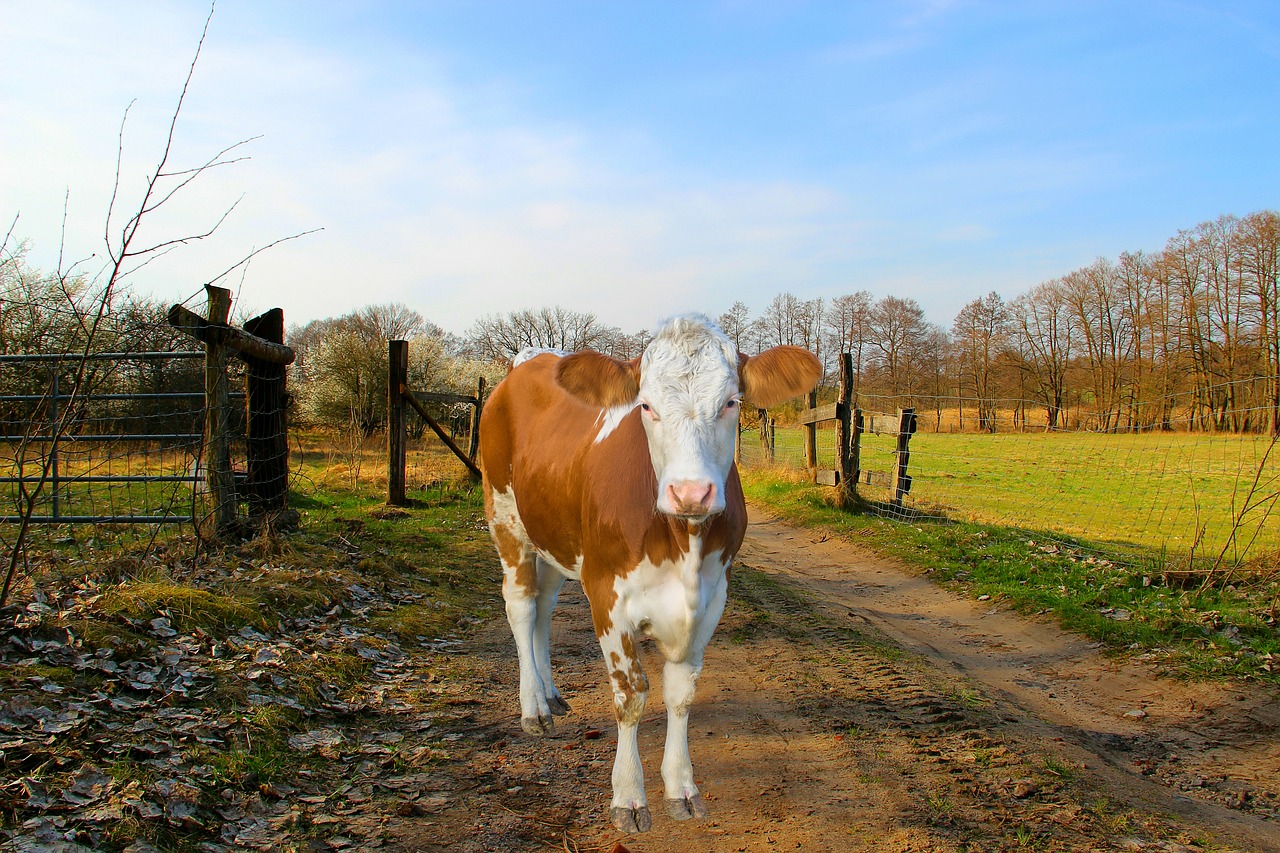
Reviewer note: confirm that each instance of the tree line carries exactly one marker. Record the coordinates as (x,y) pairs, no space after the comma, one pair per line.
(1186,337)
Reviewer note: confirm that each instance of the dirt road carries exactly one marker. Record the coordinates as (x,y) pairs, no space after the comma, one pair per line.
(849,705)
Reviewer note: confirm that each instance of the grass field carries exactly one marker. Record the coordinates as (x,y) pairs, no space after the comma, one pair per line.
(1188,493)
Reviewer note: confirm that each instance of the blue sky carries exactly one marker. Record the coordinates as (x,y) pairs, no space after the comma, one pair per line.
(640,159)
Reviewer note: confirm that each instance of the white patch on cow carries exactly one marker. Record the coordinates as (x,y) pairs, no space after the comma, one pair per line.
(611,419)
(533,352)
(507,514)
(677,603)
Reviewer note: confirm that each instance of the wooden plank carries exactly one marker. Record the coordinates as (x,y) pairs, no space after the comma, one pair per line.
(217,447)
(826,477)
(397,373)
(267,439)
(902,480)
(476,411)
(439,431)
(829,412)
(848,424)
(811,435)
(441,397)
(213,332)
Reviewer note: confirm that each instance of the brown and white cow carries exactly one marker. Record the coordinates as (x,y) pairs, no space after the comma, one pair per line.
(621,474)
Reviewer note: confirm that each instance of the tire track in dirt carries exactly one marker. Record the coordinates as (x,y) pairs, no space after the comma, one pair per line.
(1207,751)
(840,710)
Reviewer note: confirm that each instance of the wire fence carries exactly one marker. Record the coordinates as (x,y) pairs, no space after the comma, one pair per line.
(131,437)
(1173,487)
(111,438)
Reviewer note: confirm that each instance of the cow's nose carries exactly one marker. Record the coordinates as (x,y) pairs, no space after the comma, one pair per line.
(691,497)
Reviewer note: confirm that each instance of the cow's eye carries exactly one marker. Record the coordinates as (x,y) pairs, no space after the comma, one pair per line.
(648,410)
(730,407)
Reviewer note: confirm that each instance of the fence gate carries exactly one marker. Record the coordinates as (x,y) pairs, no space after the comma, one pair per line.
(75,426)
(52,436)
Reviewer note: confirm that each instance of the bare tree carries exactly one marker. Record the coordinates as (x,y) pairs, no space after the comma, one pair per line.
(1260,267)
(736,323)
(501,338)
(979,334)
(1046,325)
(896,329)
(125,253)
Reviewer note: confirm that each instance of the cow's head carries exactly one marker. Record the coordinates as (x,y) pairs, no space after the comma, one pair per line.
(689,385)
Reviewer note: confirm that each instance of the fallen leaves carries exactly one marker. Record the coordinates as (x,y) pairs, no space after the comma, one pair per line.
(240,737)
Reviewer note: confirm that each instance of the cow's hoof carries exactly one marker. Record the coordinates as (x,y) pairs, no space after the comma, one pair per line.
(558,706)
(537,725)
(631,820)
(687,808)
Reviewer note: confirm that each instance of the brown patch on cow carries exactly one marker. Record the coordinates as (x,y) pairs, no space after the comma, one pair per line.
(778,374)
(724,532)
(598,379)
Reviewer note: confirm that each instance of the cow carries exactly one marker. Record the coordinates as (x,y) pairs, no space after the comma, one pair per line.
(621,474)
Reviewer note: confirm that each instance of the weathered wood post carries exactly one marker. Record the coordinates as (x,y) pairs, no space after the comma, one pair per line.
(845,435)
(267,444)
(397,380)
(811,435)
(901,479)
(217,441)
(859,426)
(763,415)
(473,447)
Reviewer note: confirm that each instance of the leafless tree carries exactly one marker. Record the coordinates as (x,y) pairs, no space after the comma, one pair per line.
(91,299)
(1046,325)
(501,338)
(736,323)
(979,335)
(896,329)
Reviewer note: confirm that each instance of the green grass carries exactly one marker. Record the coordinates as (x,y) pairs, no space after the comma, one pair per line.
(1186,493)
(1222,628)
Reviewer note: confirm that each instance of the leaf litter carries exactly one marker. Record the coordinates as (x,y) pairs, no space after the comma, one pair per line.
(127,729)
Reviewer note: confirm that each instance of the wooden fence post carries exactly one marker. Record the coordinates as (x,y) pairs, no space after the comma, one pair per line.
(473,447)
(267,444)
(845,436)
(901,479)
(811,436)
(222,487)
(397,379)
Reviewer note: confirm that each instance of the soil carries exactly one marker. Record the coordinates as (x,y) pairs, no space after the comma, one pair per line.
(849,704)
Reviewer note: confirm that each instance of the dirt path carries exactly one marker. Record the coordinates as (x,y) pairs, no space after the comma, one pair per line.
(848,705)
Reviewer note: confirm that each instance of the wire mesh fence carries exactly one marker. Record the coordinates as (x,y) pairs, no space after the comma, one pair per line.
(1173,486)
(100,437)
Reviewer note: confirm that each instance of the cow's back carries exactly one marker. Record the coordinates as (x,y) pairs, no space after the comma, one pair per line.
(533,441)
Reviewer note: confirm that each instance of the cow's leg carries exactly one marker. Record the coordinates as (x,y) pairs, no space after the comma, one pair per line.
(629,810)
(520,590)
(550,580)
(679,682)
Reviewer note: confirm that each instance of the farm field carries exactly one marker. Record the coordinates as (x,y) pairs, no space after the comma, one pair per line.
(1181,492)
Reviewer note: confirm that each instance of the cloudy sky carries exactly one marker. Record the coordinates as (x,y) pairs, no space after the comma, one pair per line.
(635,159)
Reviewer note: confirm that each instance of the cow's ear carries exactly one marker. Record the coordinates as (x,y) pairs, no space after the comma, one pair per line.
(599,379)
(778,374)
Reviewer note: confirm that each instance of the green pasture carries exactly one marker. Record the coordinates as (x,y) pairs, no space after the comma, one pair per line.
(1205,494)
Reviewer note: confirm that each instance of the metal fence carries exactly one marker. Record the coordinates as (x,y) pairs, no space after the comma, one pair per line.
(83,443)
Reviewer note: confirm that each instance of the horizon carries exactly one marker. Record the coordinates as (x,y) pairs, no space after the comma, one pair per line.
(632,164)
